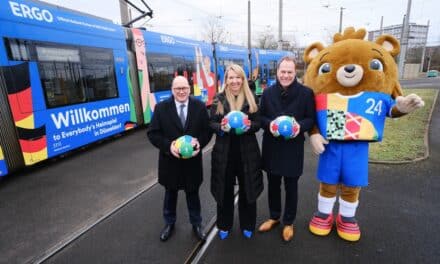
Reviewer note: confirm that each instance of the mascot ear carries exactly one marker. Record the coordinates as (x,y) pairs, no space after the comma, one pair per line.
(311,51)
(390,44)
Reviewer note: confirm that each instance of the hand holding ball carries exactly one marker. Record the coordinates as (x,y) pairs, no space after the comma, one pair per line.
(285,126)
(236,120)
(184,146)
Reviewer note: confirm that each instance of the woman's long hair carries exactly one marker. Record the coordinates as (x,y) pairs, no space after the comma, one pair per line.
(236,103)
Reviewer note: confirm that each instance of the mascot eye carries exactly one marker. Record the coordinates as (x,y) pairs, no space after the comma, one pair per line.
(325,68)
(375,64)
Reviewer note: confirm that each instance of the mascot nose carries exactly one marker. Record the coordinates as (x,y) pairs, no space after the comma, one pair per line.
(349,68)
(349,75)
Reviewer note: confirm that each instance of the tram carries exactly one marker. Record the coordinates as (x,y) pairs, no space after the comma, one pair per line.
(68,79)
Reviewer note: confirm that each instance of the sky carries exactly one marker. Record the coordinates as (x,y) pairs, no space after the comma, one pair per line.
(304,22)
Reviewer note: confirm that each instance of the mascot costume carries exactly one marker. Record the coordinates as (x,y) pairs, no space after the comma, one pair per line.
(356,87)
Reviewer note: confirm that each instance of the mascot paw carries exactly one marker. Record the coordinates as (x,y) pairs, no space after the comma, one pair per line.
(318,143)
(409,103)
(321,224)
(348,228)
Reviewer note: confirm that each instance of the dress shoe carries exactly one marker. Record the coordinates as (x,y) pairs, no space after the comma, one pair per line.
(166,232)
(268,225)
(288,232)
(198,232)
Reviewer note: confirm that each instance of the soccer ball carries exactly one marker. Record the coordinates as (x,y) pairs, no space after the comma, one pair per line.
(285,126)
(235,119)
(184,146)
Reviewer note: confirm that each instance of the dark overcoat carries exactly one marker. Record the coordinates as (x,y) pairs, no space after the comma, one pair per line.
(165,127)
(280,156)
(249,151)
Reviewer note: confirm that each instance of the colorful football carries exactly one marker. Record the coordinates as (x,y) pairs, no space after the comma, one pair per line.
(285,126)
(236,119)
(184,146)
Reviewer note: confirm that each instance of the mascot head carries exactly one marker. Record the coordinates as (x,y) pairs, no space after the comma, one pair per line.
(351,65)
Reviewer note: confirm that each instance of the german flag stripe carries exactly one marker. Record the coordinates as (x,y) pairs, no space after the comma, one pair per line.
(27,122)
(31,146)
(32,158)
(29,134)
(25,99)
(19,100)
(129,125)
(17,77)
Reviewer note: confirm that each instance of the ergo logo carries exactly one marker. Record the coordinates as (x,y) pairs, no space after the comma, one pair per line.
(167,39)
(23,10)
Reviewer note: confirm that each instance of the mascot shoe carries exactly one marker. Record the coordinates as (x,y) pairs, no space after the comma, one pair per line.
(348,228)
(321,224)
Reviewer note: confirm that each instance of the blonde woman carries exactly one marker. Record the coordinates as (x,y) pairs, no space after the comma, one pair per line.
(236,154)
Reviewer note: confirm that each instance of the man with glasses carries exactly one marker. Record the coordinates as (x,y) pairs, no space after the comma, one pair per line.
(180,115)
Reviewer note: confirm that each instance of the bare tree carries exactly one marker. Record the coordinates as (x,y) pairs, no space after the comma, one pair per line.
(266,40)
(290,42)
(215,30)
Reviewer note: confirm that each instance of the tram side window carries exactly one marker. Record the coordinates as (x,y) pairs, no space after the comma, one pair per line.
(272,69)
(265,73)
(69,74)
(179,63)
(227,62)
(224,63)
(18,49)
(98,71)
(161,72)
(60,73)
(162,68)
(189,69)
(239,62)
(62,83)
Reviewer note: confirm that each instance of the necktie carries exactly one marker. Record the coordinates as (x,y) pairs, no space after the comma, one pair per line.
(182,115)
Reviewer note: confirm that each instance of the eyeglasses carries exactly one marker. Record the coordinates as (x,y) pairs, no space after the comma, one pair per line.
(181,89)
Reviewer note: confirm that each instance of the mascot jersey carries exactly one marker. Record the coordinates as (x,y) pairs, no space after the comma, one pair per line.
(359,117)
(355,117)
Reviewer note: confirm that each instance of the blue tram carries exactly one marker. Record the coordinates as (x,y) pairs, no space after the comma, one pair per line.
(264,67)
(226,54)
(64,82)
(68,79)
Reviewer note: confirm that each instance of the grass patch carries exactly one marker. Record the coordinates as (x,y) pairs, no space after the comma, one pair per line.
(404,138)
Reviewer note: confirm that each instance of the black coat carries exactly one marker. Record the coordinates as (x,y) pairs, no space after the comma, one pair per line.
(249,151)
(280,156)
(174,173)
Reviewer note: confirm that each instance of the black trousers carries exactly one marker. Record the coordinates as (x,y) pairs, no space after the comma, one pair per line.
(192,202)
(247,212)
(291,197)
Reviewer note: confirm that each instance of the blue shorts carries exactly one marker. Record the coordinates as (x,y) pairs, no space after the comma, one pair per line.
(344,162)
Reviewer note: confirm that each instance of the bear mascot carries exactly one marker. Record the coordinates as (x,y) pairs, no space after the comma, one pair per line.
(356,87)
